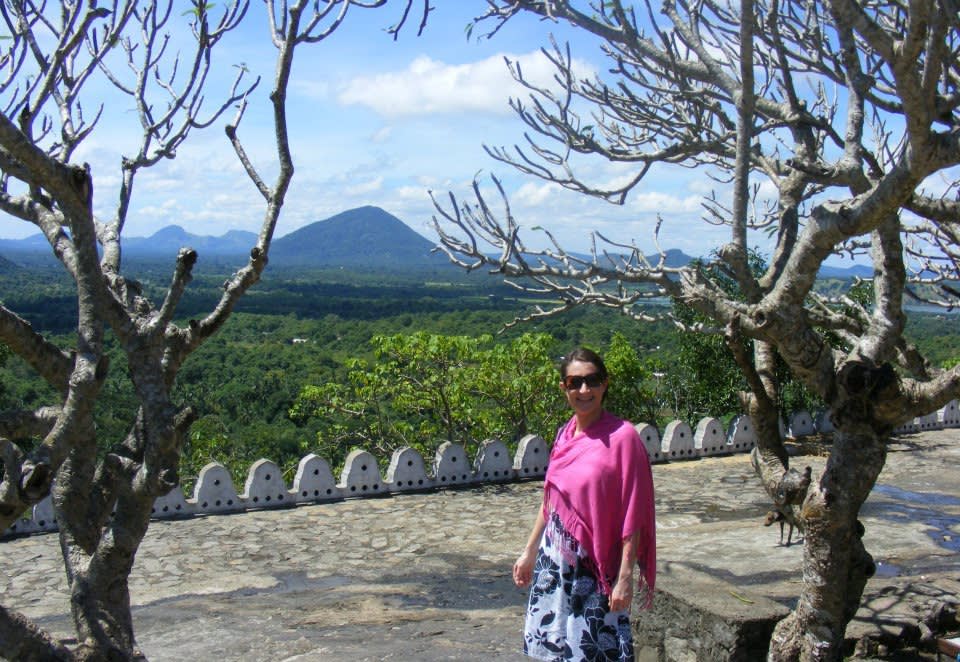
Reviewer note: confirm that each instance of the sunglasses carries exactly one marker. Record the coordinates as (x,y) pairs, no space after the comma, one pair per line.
(576,382)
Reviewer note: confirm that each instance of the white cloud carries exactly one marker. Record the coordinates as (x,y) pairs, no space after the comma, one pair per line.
(768,191)
(419,193)
(316,90)
(654,201)
(362,188)
(431,181)
(381,135)
(158,212)
(428,86)
(534,194)
(703,184)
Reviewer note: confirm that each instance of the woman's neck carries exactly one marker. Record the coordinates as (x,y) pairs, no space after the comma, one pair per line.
(585,421)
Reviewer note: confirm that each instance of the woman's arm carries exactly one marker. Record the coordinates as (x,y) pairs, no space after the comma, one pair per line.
(523,567)
(622,594)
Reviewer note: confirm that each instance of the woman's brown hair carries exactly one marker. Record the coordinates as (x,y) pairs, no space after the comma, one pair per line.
(585,355)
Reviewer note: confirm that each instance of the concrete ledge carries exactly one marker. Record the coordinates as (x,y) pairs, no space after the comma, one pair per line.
(697,618)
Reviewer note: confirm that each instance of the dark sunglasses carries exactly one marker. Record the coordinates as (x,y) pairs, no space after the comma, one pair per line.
(575,382)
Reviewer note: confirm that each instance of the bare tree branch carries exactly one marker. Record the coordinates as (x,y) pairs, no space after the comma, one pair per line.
(49,361)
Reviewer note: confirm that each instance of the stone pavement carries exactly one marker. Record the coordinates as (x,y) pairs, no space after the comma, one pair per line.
(426,577)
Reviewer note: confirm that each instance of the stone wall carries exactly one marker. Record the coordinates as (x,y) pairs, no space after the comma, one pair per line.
(699,617)
(215,493)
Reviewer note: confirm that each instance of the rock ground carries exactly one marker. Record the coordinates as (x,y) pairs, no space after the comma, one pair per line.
(426,577)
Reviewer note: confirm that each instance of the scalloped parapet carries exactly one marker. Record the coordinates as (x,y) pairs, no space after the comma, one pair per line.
(677,442)
(822,422)
(173,504)
(801,425)
(265,487)
(493,462)
(314,481)
(214,491)
(23,525)
(450,465)
(742,437)
(43,515)
(908,427)
(929,422)
(361,475)
(949,415)
(709,438)
(38,519)
(407,471)
(650,437)
(532,457)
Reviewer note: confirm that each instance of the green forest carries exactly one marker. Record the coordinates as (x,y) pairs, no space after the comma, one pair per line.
(327,361)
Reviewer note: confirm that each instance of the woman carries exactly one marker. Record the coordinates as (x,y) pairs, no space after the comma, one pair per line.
(596,524)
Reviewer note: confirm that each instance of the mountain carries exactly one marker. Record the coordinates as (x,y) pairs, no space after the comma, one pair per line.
(33,244)
(7,267)
(167,241)
(365,236)
(673,257)
(163,244)
(844,273)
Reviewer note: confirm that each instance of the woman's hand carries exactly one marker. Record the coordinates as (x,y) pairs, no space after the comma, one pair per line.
(621,597)
(523,569)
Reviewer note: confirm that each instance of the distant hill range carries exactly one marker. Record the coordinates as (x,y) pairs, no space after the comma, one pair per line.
(167,241)
(362,237)
(365,237)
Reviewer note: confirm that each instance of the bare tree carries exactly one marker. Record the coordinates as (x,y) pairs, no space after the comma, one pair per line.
(52,55)
(849,110)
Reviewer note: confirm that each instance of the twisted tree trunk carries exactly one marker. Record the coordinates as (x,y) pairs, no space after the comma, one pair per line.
(99,587)
(833,552)
(836,565)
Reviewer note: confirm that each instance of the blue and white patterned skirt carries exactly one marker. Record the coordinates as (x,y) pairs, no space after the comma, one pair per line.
(568,618)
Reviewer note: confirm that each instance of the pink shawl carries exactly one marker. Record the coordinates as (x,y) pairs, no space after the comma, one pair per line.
(600,485)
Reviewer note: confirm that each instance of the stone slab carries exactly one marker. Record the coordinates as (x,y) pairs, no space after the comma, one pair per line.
(698,617)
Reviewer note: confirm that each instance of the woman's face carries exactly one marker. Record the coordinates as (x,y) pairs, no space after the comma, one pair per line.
(583,389)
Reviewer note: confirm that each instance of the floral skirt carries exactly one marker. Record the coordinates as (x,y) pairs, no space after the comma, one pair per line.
(568,618)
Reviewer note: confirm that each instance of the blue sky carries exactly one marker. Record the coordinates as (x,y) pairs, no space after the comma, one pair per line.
(380,122)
